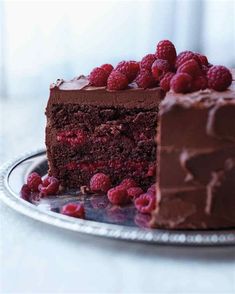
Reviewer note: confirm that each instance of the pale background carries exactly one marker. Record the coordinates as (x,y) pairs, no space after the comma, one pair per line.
(41,41)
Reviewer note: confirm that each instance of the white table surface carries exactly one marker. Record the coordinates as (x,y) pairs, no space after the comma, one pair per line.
(38,258)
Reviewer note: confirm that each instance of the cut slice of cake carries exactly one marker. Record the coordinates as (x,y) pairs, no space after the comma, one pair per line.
(91,130)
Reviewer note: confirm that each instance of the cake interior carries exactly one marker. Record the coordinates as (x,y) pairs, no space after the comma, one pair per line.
(117,141)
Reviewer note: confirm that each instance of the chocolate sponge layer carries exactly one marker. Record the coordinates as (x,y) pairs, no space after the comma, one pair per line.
(83,140)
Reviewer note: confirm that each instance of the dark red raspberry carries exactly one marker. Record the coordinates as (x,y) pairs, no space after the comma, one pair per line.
(25,192)
(145,79)
(159,68)
(199,83)
(129,68)
(147,61)
(185,56)
(190,67)
(100,183)
(98,77)
(118,195)
(165,81)
(73,209)
(49,186)
(145,203)
(181,83)
(203,59)
(33,181)
(219,78)
(166,50)
(128,183)
(134,192)
(152,190)
(72,138)
(117,81)
(107,67)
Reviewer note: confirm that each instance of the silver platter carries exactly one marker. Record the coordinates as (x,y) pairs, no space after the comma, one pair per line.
(117,223)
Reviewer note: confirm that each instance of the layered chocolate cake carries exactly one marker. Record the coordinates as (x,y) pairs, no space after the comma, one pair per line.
(183,142)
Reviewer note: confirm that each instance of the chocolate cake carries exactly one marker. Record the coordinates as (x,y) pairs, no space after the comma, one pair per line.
(90,130)
(118,124)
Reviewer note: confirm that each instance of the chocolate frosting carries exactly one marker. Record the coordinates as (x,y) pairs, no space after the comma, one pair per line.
(221,121)
(79,91)
(196,160)
(221,192)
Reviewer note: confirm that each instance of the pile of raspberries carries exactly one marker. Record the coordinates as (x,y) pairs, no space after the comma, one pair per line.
(125,193)
(183,73)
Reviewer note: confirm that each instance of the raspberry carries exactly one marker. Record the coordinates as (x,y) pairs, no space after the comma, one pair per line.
(134,192)
(100,183)
(147,61)
(73,209)
(181,83)
(166,50)
(49,186)
(203,59)
(117,81)
(128,183)
(118,195)
(185,56)
(72,138)
(98,77)
(219,78)
(145,203)
(165,81)
(107,67)
(190,67)
(159,68)
(33,181)
(199,83)
(128,68)
(145,79)
(25,192)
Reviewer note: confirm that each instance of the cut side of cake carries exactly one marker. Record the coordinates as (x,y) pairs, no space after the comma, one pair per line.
(91,130)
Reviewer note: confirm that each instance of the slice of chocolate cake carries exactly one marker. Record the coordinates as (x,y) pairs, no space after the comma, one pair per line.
(90,130)
(196,160)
